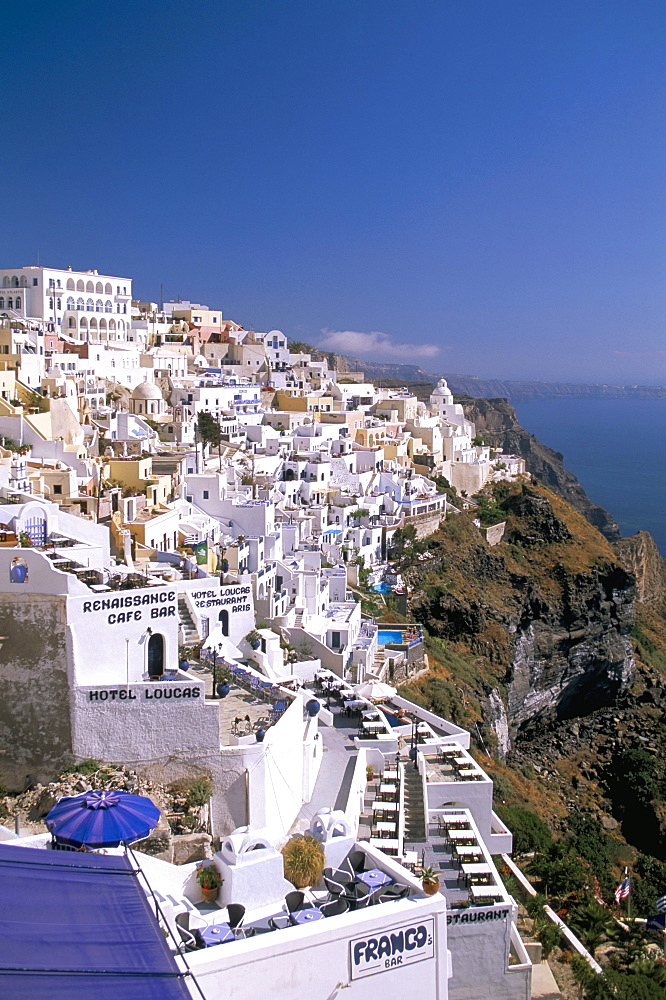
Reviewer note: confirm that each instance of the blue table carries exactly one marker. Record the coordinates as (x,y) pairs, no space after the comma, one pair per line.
(217,934)
(374,878)
(306,916)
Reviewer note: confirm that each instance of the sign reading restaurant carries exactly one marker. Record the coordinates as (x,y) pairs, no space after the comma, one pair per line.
(413,942)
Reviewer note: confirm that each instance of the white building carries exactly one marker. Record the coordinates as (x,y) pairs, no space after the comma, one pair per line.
(81,305)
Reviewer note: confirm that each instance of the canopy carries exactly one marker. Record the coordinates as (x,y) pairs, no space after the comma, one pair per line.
(375,690)
(76,926)
(102,819)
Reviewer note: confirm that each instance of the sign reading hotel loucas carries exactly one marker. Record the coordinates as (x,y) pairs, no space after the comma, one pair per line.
(413,942)
(151,693)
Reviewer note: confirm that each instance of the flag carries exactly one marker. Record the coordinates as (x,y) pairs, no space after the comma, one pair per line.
(201,553)
(656,923)
(623,889)
(661,904)
(190,539)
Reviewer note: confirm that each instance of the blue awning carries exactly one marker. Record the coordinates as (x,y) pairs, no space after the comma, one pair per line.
(80,926)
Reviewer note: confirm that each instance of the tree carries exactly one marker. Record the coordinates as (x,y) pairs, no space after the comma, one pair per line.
(592,922)
(209,429)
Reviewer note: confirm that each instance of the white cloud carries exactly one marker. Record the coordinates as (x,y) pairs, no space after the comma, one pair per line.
(378,345)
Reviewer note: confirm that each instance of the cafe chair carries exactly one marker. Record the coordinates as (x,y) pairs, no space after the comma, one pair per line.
(296,901)
(236,916)
(395,891)
(191,939)
(355,893)
(357,861)
(333,907)
(279,923)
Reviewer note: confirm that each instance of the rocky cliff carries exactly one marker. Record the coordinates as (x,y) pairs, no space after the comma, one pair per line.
(543,619)
(640,555)
(496,420)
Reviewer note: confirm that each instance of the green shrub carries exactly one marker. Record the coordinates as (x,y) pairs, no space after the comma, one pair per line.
(530,833)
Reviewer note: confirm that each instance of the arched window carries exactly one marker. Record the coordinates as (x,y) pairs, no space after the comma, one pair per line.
(107,289)
(84,323)
(80,304)
(10,303)
(99,306)
(121,325)
(80,286)
(102,324)
(24,281)
(112,324)
(99,287)
(5,281)
(90,306)
(70,302)
(89,286)
(72,323)
(108,307)
(70,284)
(156,655)
(17,304)
(224,621)
(2,302)
(14,282)
(93,323)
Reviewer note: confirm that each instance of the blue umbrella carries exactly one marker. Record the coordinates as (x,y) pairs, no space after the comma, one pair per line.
(102,819)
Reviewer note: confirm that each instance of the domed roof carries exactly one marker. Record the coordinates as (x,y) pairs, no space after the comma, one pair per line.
(146,390)
(441,389)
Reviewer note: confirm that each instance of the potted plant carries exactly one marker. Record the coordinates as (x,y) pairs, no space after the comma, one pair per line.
(254,638)
(209,880)
(304,861)
(430,880)
(370,772)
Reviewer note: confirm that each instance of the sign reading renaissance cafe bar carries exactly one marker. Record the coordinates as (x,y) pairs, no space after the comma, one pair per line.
(406,945)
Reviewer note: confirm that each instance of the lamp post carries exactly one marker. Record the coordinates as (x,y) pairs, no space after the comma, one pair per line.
(413,751)
(216,650)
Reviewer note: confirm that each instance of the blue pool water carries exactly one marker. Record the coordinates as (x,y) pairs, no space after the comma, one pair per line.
(394,637)
(382,588)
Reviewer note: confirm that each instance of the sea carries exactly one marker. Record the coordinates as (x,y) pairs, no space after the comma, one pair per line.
(615,448)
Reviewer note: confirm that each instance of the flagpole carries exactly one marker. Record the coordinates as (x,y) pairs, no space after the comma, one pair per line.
(626,875)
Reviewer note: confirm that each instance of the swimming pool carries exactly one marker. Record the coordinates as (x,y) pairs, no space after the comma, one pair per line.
(382,588)
(394,637)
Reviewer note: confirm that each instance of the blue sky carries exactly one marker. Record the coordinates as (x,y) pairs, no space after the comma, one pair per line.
(469,185)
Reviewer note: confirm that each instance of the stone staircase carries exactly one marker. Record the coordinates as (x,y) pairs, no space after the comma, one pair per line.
(190,633)
(298,618)
(415,828)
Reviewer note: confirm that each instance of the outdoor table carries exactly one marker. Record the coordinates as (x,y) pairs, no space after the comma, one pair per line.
(354,703)
(466,772)
(378,806)
(486,892)
(388,846)
(217,934)
(462,761)
(456,822)
(462,836)
(370,713)
(374,726)
(390,774)
(468,852)
(388,788)
(385,827)
(477,872)
(305,916)
(374,878)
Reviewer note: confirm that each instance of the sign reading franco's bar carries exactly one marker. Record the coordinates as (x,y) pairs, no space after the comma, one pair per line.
(401,946)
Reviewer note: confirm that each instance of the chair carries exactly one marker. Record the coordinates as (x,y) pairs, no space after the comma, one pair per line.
(296,901)
(336,880)
(333,907)
(395,891)
(191,939)
(236,915)
(357,860)
(279,923)
(357,895)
